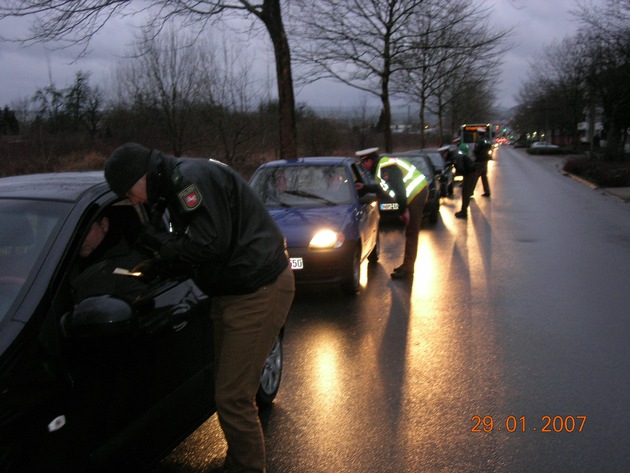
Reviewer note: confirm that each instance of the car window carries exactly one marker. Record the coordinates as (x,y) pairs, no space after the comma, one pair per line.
(102,252)
(303,185)
(422,165)
(26,228)
(436,159)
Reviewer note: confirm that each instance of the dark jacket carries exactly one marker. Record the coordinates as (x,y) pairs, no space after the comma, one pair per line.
(395,182)
(221,228)
(482,148)
(94,275)
(463,163)
(373,187)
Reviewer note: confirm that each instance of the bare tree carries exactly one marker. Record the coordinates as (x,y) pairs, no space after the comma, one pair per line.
(83,105)
(361,44)
(78,21)
(228,114)
(455,57)
(605,37)
(564,66)
(168,76)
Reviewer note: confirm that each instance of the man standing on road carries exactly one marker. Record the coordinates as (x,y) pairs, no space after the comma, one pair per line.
(465,167)
(237,255)
(483,153)
(401,180)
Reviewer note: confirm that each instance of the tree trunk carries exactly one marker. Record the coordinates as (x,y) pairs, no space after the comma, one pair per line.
(387,116)
(272,18)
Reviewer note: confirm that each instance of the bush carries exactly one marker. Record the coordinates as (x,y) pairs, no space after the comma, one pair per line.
(547,151)
(603,174)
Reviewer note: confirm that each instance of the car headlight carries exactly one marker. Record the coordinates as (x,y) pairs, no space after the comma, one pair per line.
(327,239)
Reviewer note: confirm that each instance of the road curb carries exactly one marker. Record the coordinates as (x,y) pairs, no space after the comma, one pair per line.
(622,195)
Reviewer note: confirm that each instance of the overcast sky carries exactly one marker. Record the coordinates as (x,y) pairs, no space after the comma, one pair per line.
(23,70)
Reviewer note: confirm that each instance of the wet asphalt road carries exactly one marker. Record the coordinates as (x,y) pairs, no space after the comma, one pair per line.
(517,317)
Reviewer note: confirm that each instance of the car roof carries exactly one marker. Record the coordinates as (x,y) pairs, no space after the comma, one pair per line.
(61,186)
(313,160)
(425,150)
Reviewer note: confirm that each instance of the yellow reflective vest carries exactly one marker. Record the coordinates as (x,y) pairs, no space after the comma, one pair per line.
(412,178)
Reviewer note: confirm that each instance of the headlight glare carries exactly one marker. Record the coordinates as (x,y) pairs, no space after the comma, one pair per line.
(326,239)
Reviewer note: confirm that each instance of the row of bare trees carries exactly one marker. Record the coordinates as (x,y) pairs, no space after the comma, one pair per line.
(582,77)
(441,55)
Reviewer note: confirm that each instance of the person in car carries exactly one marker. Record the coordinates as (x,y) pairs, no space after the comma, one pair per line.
(103,250)
(236,254)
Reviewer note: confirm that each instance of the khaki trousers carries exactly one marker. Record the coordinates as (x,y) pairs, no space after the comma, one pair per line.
(412,230)
(245,327)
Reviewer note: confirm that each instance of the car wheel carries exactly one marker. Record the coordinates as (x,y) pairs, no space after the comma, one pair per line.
(376,251)
(271,375)
(351,285)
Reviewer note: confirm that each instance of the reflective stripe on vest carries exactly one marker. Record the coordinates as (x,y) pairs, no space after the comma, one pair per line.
(413,178)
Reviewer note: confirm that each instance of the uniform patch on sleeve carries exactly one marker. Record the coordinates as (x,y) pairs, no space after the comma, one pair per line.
(190,198)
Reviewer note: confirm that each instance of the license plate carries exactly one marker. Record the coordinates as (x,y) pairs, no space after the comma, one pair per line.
(296,263)
(392,206)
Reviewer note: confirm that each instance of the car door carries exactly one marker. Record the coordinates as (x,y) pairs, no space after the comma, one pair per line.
(110,385)
(368,213)
(153,382)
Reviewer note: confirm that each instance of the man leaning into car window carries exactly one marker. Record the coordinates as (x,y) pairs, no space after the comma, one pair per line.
(237,255)
(411,193)
(103,250)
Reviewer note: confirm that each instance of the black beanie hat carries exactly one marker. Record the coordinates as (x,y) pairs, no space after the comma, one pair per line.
(125,166)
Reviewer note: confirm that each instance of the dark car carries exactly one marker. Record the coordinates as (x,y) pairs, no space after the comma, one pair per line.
(443,171)
(330,230)
(107,383)
(389,209)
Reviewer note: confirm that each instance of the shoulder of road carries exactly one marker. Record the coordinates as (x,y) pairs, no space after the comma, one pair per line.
(620,193)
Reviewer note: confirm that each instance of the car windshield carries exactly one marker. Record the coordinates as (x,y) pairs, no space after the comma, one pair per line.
(303,186)
(25,228)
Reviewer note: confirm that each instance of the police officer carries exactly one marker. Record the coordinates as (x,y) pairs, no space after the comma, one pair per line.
(465,167)
(483,153)
(237,255)
(463,147)
(401,180)
(369,157)
(411,191)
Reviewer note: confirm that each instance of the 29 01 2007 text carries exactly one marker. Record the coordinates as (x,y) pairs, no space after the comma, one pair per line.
(546,423)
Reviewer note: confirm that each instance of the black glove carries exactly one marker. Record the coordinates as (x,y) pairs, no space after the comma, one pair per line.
(153,269)
(152,239)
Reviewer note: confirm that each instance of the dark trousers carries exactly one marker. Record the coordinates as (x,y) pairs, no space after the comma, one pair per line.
(245,327)
(416,209)
(468,187)
(482,169)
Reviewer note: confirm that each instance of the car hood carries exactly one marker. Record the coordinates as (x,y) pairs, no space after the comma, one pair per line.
(299,224)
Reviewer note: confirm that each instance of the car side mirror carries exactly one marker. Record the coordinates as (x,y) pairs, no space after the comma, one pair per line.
(99,317)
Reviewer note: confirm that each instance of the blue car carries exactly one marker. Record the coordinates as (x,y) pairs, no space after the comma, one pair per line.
(329,228)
